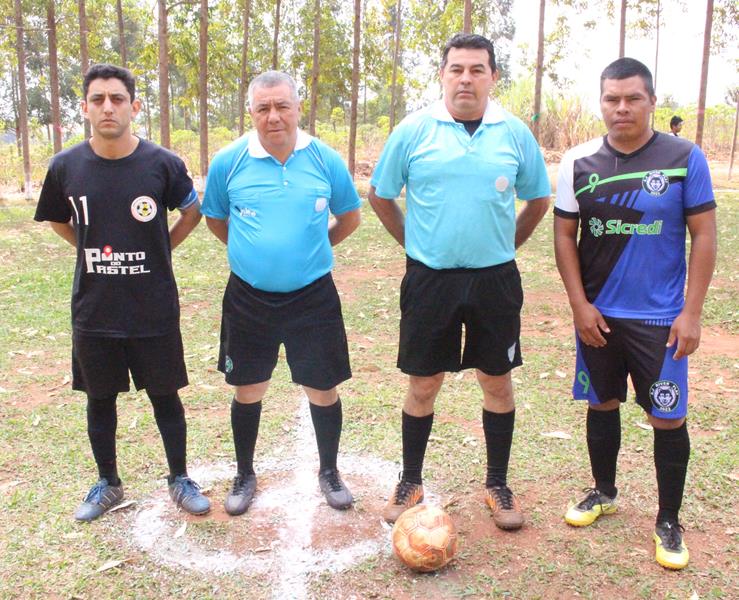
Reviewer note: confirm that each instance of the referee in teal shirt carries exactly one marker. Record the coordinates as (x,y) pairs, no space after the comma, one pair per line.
(268,197)
(462,161)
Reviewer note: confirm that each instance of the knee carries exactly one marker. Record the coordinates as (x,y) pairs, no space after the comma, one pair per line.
(249,394)
(665,424)
(423,390)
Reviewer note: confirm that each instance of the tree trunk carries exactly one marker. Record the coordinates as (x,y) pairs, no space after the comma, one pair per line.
(203,84)
(536,118)
(733,139)
(656,53)
(704,74)
(355,85)
(147,99)
(396,59)
(622,31)
(467,25)
(84,54)
(314,70)
(16,116)
(244,67)
(23,98)
(276,35)
(163,74)
(56,120)
(121,32)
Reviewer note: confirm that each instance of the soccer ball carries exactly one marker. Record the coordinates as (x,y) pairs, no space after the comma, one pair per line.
(424,538)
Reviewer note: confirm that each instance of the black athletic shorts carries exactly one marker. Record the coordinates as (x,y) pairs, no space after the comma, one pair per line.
(100,365)
(638,349)
(308,321)
(436,303)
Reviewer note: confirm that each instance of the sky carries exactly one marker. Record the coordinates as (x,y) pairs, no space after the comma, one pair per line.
(680,52)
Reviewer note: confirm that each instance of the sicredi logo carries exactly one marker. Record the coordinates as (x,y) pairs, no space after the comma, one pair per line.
(618,227)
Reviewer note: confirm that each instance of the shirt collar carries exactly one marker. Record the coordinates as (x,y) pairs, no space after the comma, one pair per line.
(493,112)
(256,149)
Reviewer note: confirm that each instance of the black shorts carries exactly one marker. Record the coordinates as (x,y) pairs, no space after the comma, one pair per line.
(308,321)
(637,349)
(100,365)
(436,303)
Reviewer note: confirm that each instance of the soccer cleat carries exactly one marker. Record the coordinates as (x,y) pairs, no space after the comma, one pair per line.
(186,494)
(101,497)
(404,496)
(241,495)
(595,504)
(670,552)
(334,489)
(504,506)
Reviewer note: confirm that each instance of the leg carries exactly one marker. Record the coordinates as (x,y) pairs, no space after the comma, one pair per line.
(326,414)
(101,429)
(170,417)
(603,431)
(498,417)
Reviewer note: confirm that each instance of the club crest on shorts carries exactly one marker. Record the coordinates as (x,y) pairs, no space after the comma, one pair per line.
(664,395)
(655,183)
(144,209)
(229,364)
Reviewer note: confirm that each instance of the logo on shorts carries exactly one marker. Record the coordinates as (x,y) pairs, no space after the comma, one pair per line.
(229,364)
(655,183)
(512,352)
(665,395)
(596,226)
(144,209)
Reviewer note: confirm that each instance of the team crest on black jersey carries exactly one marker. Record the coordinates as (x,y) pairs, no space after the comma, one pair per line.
(664,395)
(144,209)
(655,183)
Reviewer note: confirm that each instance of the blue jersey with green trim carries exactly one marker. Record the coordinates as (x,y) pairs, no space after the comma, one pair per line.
(632,210)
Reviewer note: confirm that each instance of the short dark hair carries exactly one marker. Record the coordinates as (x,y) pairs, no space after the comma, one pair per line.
(106,71)
(625,67)
(675,120)
(472,41)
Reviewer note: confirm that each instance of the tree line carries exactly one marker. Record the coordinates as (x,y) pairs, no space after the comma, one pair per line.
(356,62)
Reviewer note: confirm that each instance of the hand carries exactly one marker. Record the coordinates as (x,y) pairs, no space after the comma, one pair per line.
(589,324)
(686,329)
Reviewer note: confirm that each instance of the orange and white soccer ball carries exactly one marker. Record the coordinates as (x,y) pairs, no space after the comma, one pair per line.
(424,538)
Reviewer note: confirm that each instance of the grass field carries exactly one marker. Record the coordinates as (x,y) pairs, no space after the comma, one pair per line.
(46,466)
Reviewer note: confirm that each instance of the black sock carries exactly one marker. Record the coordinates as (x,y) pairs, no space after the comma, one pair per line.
(327,422)
(102,421)
(604,442)
(498,429)
(416,432)
(671,455)
(170,417)
(245,426)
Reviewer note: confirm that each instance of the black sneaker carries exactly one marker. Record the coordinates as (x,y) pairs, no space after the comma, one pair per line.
(670,551)
(101,497)
(334,489)
(241,495)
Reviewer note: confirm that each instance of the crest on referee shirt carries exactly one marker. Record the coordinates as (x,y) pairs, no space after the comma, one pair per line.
(229,364)
(144,209)
(655,183)
(664,395)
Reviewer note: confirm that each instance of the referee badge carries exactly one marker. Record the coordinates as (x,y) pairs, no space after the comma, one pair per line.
(664,395)
(144,209)
(229,364)
(655,183)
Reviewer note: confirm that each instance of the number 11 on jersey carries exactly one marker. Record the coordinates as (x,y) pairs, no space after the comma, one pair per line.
(85,215)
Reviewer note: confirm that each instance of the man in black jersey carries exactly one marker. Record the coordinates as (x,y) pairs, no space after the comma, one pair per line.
(109,197)
(631,195)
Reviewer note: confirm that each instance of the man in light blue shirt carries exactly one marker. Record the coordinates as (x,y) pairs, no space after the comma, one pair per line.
(268,197)
(462,161)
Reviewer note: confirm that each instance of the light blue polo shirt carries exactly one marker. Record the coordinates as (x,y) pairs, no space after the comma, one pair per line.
(461,189)
(278,214)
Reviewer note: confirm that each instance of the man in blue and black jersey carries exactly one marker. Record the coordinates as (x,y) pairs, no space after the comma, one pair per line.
(268,198)
(631,195)
(109,197)
(463,160)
